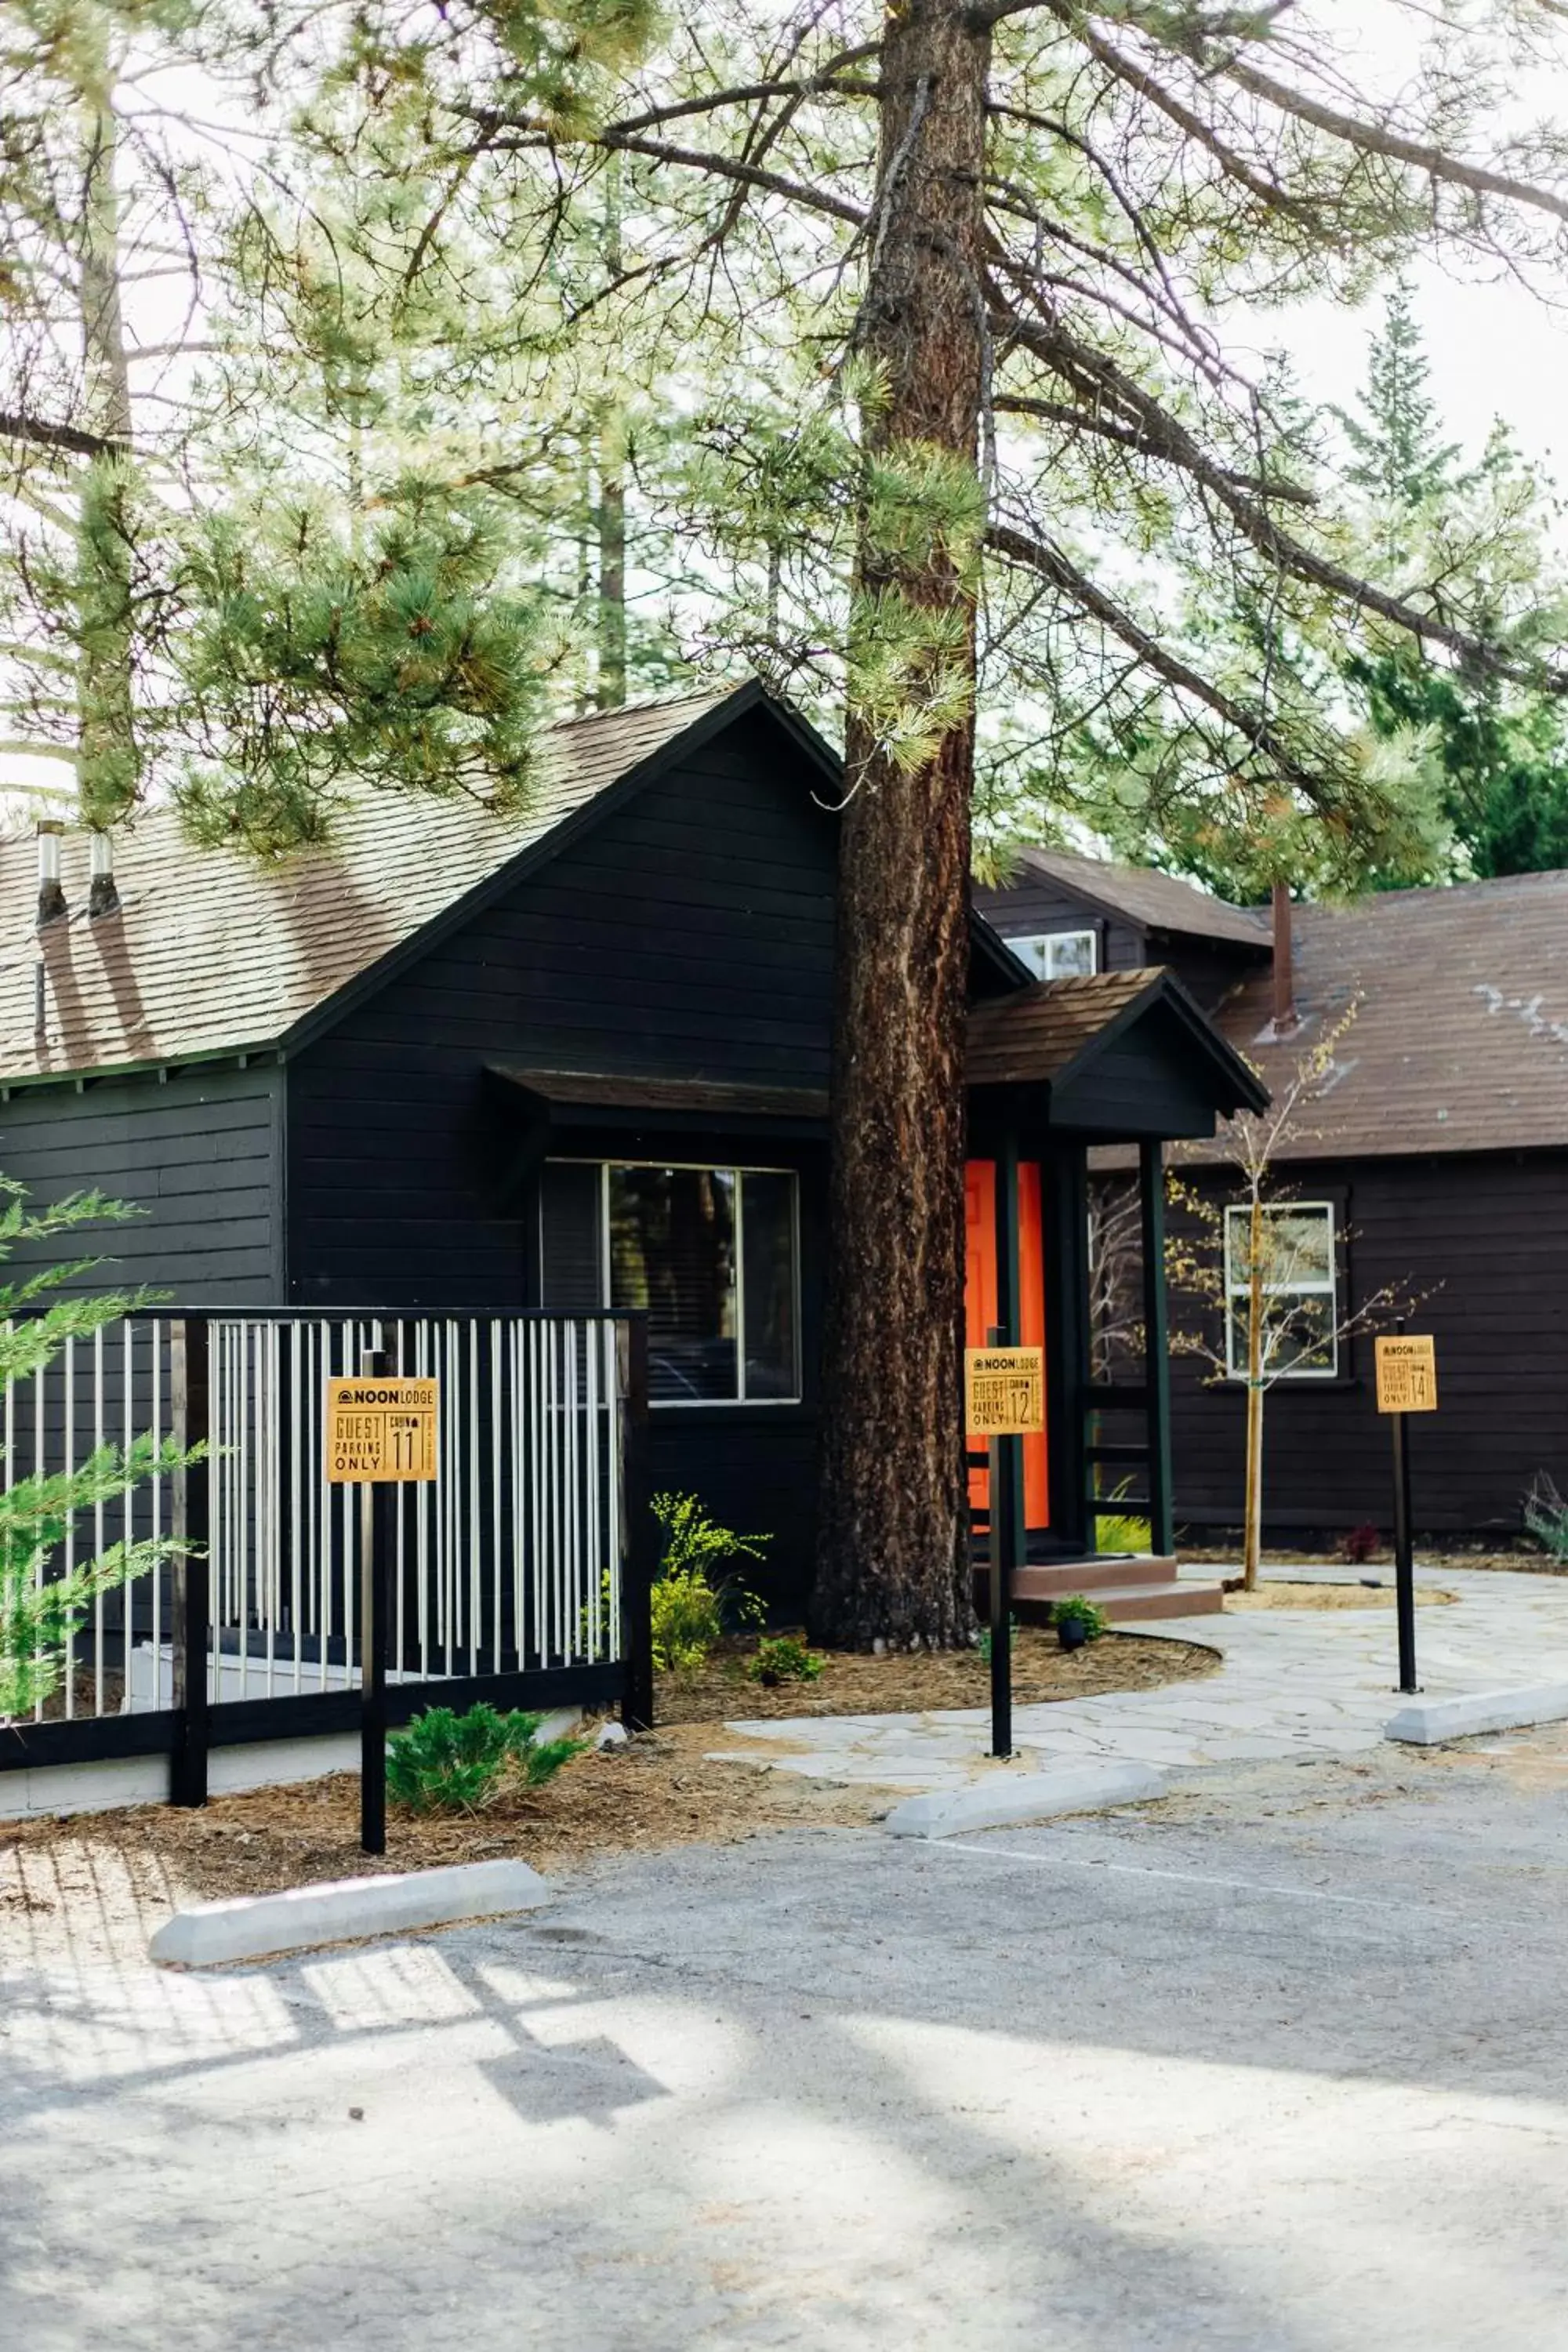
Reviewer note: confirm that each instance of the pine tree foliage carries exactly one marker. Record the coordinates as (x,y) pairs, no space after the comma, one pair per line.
(1169,580)
(1491,750)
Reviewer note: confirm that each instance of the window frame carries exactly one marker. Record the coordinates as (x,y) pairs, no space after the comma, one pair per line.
(704,1168)
(1033,939)
(1335,1369)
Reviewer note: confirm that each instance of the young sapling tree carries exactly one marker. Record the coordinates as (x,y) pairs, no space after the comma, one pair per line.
(1263,1263)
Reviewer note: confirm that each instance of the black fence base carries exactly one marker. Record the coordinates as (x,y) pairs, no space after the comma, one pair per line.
(234,1723)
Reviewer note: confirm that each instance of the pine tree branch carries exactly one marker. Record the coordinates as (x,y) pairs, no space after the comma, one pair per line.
(1097,376)
(1373,138)
(1255,729)
(1267,191)
(42,432)
(1132,436)
(825,79)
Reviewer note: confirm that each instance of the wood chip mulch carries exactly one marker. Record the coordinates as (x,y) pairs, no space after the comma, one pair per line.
(657,1791)
(900,1683)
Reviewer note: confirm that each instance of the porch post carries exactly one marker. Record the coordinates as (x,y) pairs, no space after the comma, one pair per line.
(1156,1346)
(1009,1297)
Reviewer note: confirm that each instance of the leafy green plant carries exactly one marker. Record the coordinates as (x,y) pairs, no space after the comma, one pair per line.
(783,1658)
(1076,1610)
(447,1762)
(692,1608)
(40,1609)
(982,1640)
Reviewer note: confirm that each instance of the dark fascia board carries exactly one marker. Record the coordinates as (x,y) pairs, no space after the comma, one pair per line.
(1238,1076)
(986,941)
(1110,911)
(735,706)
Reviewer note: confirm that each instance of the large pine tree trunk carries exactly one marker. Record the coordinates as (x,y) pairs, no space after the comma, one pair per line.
(891,1561)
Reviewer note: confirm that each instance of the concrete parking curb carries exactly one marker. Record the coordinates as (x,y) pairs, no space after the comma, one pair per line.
(1428,1721)
(1025,1796)
(254,1927)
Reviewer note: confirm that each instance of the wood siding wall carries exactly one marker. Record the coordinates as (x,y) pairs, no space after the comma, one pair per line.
(687,934)
(1032,905)
(199,1155)
(1486,1239)
(1208,969)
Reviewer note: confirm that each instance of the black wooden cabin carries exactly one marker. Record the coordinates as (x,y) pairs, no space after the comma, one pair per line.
(570,1059)
(1436,1163)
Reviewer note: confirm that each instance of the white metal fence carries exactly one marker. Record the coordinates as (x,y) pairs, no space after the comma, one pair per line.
(509,1563)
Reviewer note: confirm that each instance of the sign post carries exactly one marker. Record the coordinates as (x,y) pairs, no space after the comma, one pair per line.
(1003,1402)
(1407,1384)
(381,1432)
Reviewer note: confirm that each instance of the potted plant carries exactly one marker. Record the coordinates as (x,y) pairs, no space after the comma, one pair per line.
(1077,1621)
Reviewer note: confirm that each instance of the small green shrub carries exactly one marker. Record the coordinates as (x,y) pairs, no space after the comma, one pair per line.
(1076,1611)
(783,1658)
(447,1762)
(692,1608)
(982,1640)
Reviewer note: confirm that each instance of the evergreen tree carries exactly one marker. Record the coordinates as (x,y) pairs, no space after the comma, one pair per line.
(977,252)
(1493,751)
(1397,455)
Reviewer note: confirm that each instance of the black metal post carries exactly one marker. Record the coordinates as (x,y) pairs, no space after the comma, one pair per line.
(192,1635)
(1001,1595)
(1002,1561)
(1010,1316)
(639,1539)
(1156,1348)
(376,1500)
(1403,1555)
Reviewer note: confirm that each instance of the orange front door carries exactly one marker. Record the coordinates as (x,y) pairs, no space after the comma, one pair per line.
(980,1307)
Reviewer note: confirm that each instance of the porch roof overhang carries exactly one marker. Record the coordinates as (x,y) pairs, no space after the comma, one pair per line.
(560,1104)
(1119,1057)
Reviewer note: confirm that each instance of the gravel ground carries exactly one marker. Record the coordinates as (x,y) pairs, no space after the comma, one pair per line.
(1277,2065)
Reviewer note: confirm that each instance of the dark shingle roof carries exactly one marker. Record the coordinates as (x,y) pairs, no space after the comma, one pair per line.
(1038,1033)
(1460,1039)
(1047,1032)
(211,952)
(1158,902)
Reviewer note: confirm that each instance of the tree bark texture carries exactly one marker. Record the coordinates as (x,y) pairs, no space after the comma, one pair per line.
(892,1559)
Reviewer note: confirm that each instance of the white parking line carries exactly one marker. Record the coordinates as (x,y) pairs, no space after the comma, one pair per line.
(1235,1885)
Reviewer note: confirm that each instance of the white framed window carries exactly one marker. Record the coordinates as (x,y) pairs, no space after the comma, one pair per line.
(1298,1271)
(710,1255)
(1059,955)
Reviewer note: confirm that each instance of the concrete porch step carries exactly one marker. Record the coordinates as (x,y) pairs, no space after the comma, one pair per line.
(1125,1602)
(1102,1573)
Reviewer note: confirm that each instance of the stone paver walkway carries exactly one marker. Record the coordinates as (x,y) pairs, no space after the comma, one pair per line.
(1295,1683)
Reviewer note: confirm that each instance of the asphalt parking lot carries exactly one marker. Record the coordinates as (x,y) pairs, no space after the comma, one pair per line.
(1279,2062)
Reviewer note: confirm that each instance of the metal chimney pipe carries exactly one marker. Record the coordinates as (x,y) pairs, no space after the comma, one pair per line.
(1284,974)
(102,897)
(51,895)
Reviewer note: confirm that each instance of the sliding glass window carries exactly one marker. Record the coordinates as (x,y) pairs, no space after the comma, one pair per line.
(710,1255)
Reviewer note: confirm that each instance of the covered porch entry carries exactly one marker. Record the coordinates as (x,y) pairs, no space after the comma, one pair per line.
(1119,1059)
